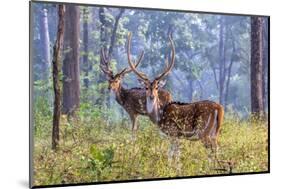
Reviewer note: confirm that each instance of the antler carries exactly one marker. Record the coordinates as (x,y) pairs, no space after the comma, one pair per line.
(106,68)
(132,65)
(136,63)
(168,66)
(104,64)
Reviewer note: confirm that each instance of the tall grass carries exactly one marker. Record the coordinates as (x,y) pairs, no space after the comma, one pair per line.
(91,150)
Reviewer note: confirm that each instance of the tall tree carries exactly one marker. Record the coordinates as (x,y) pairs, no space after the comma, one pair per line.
(56,75)
(86,65)
(222,55)
(103,41)
(229,68)
(45,45)
(114,32)
(256,66)
(222,60)
(71,73)
(265,63)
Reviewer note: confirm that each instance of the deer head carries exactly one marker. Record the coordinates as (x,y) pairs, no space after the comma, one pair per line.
(114,81)
(152,87)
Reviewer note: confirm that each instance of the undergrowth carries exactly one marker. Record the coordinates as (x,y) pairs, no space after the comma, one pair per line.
(92,150)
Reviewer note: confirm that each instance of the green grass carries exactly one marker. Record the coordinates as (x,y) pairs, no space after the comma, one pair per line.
(92,151)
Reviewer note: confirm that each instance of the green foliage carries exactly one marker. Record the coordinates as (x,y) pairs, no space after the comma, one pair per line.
(96,145)
(92,151)
(100,159)
(42,114)
(86,110)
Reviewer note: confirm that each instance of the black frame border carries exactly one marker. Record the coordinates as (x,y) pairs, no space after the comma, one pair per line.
(31,138)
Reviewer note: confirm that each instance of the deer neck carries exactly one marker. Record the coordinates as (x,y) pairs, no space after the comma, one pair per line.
(154,114)
(119,95)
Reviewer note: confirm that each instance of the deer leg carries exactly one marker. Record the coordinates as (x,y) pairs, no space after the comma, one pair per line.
(209,124)
(171,151)
(204,135)
(218,122)
(134,126)
(213,134)
(207,138)
(209,132)
(174,153)
(207,143)
(170,154)
(211,153)
(177,156)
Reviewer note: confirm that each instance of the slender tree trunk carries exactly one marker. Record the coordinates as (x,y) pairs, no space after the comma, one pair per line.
(221,59)
(225,41)
(112,43)
(44,33)
(228,81)
(56,75)
(85,45)
(256,66)
(190,90)
(229,71)
(114,31)
(215,76)
(103,32)
(201,89)
(103,41)
(264,64)
(71,73)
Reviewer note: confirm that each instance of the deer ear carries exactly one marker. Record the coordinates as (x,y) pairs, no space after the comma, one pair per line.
(162,83)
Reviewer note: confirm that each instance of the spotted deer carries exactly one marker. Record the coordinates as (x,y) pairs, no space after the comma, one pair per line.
(132,100)
(194,121)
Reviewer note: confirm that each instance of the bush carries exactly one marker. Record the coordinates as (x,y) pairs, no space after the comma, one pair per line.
(92,151)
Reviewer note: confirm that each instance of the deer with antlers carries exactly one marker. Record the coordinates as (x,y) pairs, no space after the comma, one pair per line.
(194,121)
(132,100)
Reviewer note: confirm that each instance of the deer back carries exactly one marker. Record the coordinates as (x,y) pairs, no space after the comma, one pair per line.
(178,118)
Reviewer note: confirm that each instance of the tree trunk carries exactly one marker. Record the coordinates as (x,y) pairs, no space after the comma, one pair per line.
(221,60)
(71,73)
(215,76)
(256,66)
(201,90)
(85,45)
(44,34)
(265,64)
(103,33)
(114,31)
(56,75)
(112,43)
(190,90)
(103,40)
(229,71)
